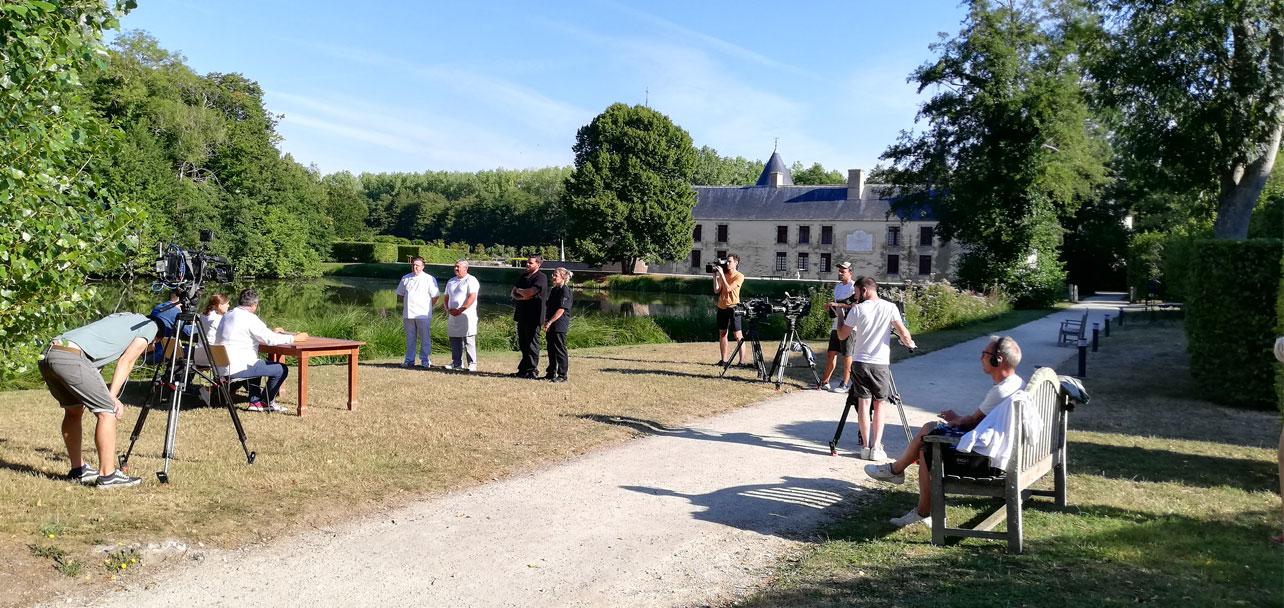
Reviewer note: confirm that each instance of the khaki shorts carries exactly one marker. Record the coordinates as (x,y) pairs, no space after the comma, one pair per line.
(74,381)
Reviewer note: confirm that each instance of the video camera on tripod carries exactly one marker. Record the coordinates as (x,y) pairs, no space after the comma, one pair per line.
(754,310)
(183,272)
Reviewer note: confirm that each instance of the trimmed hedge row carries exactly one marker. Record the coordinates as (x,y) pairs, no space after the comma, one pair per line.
(1230,326)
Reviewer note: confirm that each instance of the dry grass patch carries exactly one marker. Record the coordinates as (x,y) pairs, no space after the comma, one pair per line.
(413,433)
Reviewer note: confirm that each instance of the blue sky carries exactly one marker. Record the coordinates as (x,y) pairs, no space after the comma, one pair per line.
(414,86)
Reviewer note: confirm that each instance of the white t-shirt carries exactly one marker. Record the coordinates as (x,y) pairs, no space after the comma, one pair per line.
(871,323)
(241,333)
(418,292)
(457,291)
(999,392)
(842,291)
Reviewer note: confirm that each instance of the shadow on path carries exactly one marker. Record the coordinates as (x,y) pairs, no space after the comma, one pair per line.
(790,506)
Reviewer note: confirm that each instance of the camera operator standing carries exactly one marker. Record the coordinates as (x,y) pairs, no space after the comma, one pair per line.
(726,283)
(843,301)
(870,324)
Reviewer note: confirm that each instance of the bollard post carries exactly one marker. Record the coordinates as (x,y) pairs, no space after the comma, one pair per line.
(1106,325)
(1083,358)
(1096,329)
(1132,294)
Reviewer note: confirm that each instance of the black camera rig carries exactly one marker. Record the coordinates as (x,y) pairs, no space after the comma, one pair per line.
(717,263)
(183,270)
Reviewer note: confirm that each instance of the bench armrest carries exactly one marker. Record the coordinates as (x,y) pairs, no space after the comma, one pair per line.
(941,439)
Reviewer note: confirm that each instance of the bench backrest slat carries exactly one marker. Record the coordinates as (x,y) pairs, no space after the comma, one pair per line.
(1045,397)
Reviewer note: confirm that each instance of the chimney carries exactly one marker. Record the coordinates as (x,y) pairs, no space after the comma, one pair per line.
(776,179)
(855,184)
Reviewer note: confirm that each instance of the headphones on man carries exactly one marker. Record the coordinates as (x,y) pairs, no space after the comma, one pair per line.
(995,355)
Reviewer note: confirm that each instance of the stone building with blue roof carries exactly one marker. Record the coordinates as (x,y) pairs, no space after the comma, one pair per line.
(782,230)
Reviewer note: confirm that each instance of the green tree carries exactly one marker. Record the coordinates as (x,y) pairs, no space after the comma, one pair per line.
(1010,149)
(713,169)
(1198,87)
(346,205)
(815,175)
(630,194)
(57,224)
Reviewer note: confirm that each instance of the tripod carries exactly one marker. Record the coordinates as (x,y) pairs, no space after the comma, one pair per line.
(894,398)
(172,376)
(789,343)
(759,363)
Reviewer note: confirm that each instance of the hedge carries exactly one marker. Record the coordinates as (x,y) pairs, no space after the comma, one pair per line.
(1230,326)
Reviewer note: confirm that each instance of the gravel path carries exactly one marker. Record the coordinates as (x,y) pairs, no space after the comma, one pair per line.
(687,516)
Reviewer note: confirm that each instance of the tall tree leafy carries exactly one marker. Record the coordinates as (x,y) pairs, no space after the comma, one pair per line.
(57,224)
(1010,148)
(815,175)
(1199,89)
(630,194)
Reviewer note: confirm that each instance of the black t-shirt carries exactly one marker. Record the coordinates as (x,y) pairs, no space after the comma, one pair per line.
(532,310)
(559,297)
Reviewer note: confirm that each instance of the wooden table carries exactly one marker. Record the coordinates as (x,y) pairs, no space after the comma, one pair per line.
(318,347)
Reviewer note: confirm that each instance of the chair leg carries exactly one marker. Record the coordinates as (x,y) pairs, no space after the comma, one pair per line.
(938,495)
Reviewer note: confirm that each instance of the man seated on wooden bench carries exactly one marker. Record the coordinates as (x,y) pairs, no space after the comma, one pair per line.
(999,360)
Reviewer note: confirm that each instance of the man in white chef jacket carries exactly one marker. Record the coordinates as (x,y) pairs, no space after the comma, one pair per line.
(419,291)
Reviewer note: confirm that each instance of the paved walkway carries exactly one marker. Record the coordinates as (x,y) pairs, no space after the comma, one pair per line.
(688,516)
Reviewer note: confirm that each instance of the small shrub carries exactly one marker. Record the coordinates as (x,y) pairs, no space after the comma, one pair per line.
(122,559)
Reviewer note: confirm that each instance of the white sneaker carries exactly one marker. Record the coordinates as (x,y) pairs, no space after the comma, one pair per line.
(865,454)
(912,518)
(472,367)
(273,407)
(450,367)
(884,472)
(878,454)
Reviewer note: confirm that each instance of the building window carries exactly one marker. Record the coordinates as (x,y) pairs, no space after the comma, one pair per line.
(782,262)
(826,235)
(782,235)
(925,264)
(804,235)
(721,254)
(695,258)
(804,262)
(925,236)
(893,264)
(893,236)
(722,233)
(697,234)
(824,263)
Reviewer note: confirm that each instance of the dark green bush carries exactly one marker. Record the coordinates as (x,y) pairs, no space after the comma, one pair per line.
(384,252)
(1231,325)
(345,251)
(405,252)
(1145,260)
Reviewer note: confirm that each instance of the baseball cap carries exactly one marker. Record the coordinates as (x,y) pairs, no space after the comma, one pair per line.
(844,265)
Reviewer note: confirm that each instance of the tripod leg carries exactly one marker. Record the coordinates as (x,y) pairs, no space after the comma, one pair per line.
(838,432)
(236,422)
(732,358)
(152,401)
(759,361)
(896,398)
(781,362)
(810,356)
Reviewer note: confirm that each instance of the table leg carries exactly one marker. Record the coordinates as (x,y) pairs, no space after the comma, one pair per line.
(303,383)
(352,378)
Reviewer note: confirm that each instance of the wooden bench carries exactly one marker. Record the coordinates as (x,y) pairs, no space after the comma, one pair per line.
(1072,330)
(1030,461)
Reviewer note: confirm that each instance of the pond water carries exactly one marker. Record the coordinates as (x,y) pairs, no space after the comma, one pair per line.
(317,296)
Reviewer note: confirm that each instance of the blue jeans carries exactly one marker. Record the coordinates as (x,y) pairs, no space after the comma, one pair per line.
(418,328)
(275,374)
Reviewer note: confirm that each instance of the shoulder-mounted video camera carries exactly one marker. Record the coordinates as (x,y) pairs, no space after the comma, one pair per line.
(184,270)
(718,263)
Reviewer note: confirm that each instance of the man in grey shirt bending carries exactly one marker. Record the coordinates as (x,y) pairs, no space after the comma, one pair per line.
(70,367)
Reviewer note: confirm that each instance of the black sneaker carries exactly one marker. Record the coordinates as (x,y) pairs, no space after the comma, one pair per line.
(558,379)
(83,475)
(721,363)
(118,479)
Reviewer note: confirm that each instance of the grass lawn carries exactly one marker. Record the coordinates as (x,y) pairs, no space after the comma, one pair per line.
(1172,500)
(413,434)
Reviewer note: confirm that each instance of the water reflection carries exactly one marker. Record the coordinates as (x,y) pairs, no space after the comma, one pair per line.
(316,296)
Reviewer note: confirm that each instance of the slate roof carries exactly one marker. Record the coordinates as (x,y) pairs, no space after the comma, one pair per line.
(794,203)
(776,165)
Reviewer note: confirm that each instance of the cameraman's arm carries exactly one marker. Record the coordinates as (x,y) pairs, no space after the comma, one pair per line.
(719,279)
(903,333)
(124,365)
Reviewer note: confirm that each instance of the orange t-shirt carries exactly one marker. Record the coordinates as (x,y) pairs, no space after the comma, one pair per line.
(730,295)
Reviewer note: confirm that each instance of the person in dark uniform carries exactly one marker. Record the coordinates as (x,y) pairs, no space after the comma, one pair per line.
(557,321)
(529,295)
